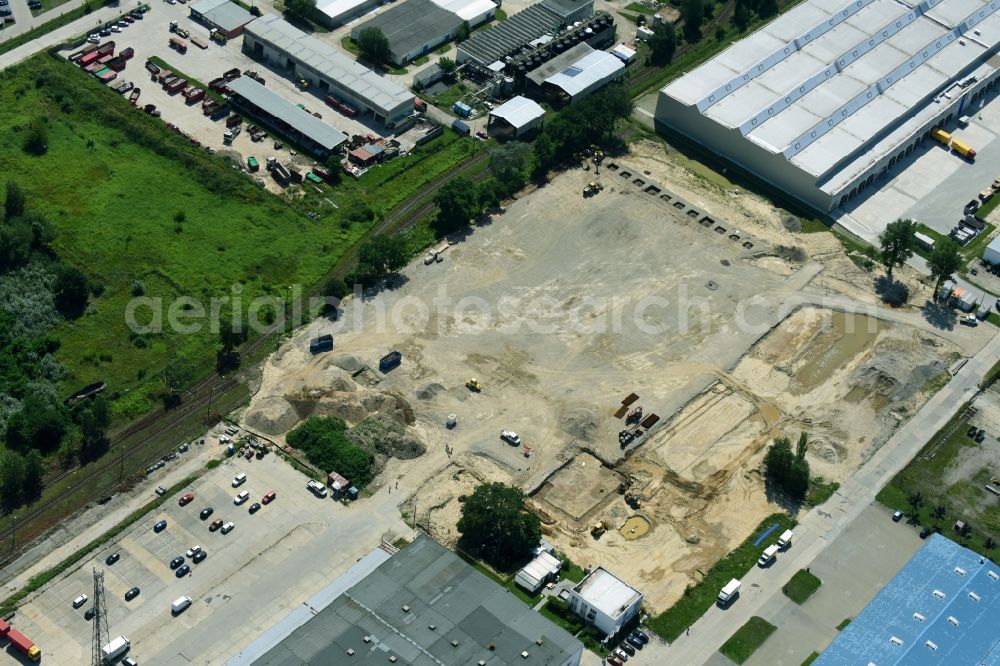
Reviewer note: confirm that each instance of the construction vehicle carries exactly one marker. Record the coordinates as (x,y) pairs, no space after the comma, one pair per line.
(473,385)
(598,529)
(302,84)
(218,36)
(633,501)
(634,416)
(20,642)
(963,149)
(592,188)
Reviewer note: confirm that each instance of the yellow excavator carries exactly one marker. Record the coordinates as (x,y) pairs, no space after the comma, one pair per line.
(473,385)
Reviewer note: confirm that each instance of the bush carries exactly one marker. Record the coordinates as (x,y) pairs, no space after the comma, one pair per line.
(324,442)
(36,141)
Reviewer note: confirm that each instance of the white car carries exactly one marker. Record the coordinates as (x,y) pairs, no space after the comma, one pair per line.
(94,38)
(228,527)
(115,28)
(193,550)
(242,497)
(510,437)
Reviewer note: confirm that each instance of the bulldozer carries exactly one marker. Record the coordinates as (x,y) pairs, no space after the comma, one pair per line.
(473,385)
(592,188)
(598,529)
(633,501)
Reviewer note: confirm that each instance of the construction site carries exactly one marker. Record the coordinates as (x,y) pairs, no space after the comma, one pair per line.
(625,358)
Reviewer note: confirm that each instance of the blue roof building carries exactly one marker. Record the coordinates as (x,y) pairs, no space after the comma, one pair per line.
(943,607)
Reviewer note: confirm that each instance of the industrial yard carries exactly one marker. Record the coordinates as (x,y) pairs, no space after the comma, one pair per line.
(751,332)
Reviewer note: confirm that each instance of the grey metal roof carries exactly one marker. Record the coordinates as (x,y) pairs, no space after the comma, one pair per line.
(839,74)
(411,24)
(381,93)
(943,607)
(304,122)
(588,73)
(519,111)
(426,607)
(226,15)
(559,63)
(508,36)
(567,7)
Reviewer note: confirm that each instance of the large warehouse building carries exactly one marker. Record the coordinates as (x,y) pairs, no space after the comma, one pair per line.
(826,98)
(280,44)
(415,27)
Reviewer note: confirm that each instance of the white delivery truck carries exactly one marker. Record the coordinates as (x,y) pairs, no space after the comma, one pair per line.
(116,648)
(785,540)
(729,592)
(180,605)
(768,555)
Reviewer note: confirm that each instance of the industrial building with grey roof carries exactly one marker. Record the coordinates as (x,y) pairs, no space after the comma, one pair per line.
(822,101)
(277,42)
(423,606)
(543,18)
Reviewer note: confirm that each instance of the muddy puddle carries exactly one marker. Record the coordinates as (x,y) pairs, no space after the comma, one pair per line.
(845,336)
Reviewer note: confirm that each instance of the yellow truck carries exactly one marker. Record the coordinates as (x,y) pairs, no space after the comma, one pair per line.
(963,149)
(939,134)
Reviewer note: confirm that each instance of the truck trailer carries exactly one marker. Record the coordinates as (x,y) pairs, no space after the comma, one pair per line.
(116,648)
(20,642)
(963,149)
(941,136)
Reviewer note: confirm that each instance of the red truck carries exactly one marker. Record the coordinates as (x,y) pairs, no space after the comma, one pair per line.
(127,53)
(176,86)
(193,95)
(21,643)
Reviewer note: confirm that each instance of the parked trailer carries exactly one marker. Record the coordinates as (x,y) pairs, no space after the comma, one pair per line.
(152,69)
(20,642)
(88,58)
(116,648)
(963,149)
(280,173)
(117,64)
(108,76)
(106,48)
(323,343)
(84,51)
(194,95)
(940,135)
(127,53)
(176,86)
(234,73)
(201,44)
(178,44)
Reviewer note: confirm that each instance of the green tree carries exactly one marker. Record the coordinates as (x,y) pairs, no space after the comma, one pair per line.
(897,242)
(463,32)
(767,8)
(802,446)
(510,163)
(457,203)
(232,334)
(177,375)
(693,12)
(12,475)
(325,443)
(741,16)
(448,66)
(34,473)
(496,526)
(943,262)
(786,469)
(300,10)
(663,44)
(70,291)
(93,417)
(13,204)
(384,254)
(36,141)
(374,46)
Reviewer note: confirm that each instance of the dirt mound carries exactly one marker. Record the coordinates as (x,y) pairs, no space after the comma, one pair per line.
(791,223)
(351,411)
(794,254)
(272,416)
(385,437)
(348,363)
(429,391)
(342,384)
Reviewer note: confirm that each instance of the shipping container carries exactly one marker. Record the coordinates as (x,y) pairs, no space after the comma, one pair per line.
(88,58)
(128,53)
(23,644)
(109,76)
(461,127)
(963,149)
(321,344)
(939,134)
(391,360)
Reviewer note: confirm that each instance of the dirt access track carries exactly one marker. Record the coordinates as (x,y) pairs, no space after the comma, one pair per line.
(563,306)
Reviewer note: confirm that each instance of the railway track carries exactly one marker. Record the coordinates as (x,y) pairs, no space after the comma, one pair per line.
(204,391)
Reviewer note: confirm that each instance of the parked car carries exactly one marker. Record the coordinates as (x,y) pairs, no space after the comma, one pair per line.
(254,508)
(193,550)
(228,527)
(629,650)
(621,654)
(89,615)
(177,561)
(633,641)
(269,497)
(132,594)
(94,38)
(79,601)
(112,558)
(980,436)
(612,659)
(206,512)
(972,432)
(185,499)
(184,570)
(104,32)
(510,437)
(160,526)
(643,636)
(199,556)
(241,498)
(216,524)
(129,661)
(924,533)
(239,479)
(897,516)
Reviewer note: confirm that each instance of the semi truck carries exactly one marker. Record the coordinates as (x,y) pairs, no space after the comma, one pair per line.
(20,642)
(116,648)
(941,136)
(728,593)
(963,149)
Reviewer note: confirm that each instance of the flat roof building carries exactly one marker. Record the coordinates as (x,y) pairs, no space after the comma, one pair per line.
(335,13)
(515,118)
(943,607)
(827,97)
(424,606)
(270,108)
(281,44)
(223,15)
(416,27)
(579,76)
(605,601)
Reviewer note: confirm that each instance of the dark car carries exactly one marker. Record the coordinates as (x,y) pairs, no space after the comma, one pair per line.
(643,636)
(924,533)
(5,12)
(206,512)
(199,556)
(112,558)
(216,524)
(615,661)
(634,642)
(972,430)
(177,561)
(628,649)
(255,507)
(980,436)
(132,594)
(160,526)
(183,571)
(89,615)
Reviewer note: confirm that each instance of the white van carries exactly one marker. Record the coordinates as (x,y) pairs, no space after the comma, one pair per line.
(180,605)
(317,488)
(239,479)
(785,540)
(228,527)
(242,497)
(768,555)
(79,601)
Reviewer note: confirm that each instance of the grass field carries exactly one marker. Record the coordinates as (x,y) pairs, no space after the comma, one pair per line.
(747,639)
(699,598)
(934,473)
(801,586)
(134,202)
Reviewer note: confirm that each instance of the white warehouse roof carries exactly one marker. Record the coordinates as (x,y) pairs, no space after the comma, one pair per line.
(837,73)
(467,10)
(538,569)
(519,111)
(324,59)
(606,592)
(587,73)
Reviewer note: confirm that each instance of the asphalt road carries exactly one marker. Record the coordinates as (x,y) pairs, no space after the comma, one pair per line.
(823,524)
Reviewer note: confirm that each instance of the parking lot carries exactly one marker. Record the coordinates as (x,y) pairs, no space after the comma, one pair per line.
(268,564)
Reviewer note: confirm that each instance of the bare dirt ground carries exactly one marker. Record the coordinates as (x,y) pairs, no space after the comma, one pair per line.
(563,306)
